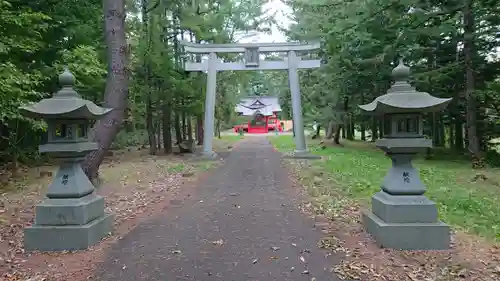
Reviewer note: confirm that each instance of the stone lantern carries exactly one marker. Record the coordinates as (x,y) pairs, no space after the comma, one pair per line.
(72,216)
(402,217)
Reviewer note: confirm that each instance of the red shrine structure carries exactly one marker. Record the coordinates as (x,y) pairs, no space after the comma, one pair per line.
(262,112)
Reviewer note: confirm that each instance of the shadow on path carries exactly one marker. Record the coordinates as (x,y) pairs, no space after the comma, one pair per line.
(249,206)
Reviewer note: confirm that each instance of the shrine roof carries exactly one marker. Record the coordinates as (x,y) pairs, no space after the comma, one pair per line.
(266,105)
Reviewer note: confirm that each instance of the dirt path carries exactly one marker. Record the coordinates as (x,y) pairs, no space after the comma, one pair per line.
(242,224)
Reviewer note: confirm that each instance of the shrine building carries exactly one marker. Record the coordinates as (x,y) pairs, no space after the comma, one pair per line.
(262,112)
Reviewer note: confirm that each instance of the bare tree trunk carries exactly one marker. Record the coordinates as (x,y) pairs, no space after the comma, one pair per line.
(330,130)
(116,93)
(150,127)
(167,132)
(374,129)
(199,129)
(190,128)
(177,127)
(363,124)
(183,122)
(469,51)
(196,129)
(158,134)
(338,130)
(217,129)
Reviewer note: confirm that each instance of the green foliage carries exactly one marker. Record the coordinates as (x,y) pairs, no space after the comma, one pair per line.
(362,40)
(38,39)
(84,62)
(124,139)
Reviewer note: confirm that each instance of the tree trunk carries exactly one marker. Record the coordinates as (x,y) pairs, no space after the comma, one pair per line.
(336,138)
(362,118)
(380,127)
(199,129)
(363,130)
(350,127)
(451,128)
(196,129)
(190,128)
(158,134)
(116,93)
(177,127)
(469,51)
(167,125)
(217,129)
(441,131)
(150,127)
(374,129)
(183,124)
(330,130)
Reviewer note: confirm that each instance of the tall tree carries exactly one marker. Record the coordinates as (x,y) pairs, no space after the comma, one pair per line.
(116,93)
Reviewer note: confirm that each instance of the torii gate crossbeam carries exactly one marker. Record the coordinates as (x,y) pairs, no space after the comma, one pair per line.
(252,62)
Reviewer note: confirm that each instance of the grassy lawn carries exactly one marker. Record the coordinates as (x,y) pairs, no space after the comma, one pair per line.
(357,170)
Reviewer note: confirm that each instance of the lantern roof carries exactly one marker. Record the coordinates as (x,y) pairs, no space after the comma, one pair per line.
(65,104)
(403,98)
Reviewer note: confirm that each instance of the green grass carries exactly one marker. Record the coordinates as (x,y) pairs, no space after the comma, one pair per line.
(358,168)
(176,168)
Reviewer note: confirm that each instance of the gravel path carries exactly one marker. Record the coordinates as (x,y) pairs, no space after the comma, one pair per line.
(242,224)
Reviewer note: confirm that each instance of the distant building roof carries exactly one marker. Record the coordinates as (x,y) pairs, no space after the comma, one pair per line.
(259,104)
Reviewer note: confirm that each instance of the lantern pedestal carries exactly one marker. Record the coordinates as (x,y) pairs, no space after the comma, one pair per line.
(406,223)
(72,216)
(402,217)
(48,238)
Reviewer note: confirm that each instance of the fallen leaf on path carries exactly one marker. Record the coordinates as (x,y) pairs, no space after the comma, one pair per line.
(218,242)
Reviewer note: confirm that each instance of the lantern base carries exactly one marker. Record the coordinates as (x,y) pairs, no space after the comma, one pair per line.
(68,224)
(406,223)
(52,238)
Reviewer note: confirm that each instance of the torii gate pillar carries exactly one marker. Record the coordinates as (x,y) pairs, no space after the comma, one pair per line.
(253,62)
(208,121)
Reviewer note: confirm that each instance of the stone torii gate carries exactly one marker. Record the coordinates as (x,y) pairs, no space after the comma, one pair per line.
(252,61)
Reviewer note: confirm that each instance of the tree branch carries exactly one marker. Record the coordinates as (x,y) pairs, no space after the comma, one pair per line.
(153,7)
